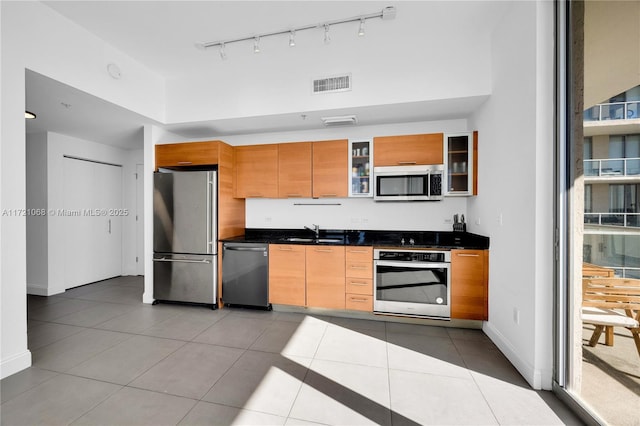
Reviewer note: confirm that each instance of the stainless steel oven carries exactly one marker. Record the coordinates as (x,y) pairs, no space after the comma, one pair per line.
(412,282)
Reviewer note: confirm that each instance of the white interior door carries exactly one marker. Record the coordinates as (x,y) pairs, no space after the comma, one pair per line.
(107,225)
(93,225)
(78,259)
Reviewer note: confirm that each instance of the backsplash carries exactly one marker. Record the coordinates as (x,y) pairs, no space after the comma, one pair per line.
(354,213)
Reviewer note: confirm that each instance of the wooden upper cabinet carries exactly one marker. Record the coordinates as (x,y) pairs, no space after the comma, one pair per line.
(294,170)
(257,171)
(187,154)
(408,150)
(469,284)
(330,168)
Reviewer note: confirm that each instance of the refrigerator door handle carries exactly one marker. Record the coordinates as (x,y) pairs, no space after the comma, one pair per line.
(164,259)
(209,218)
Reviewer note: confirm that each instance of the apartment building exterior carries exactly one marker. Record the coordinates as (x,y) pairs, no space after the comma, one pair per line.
(612,184)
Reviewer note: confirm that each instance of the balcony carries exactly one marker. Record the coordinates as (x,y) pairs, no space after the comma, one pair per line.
(612,168)
(613,111)
(627,220)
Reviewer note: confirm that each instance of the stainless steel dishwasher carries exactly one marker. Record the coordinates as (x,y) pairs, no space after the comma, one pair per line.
(245,274)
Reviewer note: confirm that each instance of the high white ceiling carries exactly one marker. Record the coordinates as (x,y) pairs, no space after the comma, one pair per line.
(161,35)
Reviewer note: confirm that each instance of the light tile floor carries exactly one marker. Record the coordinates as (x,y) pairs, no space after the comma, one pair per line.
(101,357)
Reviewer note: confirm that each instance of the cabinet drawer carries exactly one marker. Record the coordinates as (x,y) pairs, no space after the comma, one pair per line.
(359,254)
(359,269)
(359,286)
(359,302)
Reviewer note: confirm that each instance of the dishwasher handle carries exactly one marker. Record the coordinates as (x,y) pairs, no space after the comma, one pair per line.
(245,248)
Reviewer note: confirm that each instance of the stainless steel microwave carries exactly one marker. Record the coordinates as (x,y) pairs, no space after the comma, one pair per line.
(408,183)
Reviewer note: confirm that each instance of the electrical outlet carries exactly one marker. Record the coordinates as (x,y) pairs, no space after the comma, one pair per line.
(516,315)
(500,218)
(478,221)
(355,220)
(448,220)
(365,220)
(267,219)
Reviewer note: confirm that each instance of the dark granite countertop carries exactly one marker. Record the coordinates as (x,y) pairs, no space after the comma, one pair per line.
(421,239)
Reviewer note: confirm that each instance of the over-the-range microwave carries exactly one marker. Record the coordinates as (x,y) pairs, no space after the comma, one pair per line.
(408,183)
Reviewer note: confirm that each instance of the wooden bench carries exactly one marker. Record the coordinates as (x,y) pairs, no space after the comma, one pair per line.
(611,302)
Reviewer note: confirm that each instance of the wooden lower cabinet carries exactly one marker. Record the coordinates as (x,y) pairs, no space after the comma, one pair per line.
(469,284)
(325,276)
(287,284)
(359,278)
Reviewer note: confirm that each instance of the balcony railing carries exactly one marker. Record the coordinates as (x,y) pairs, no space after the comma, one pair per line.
(625,272)
(615,167)
(613,219)
(613,111)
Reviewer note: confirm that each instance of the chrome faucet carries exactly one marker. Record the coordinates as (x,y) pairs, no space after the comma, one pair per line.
(316,230)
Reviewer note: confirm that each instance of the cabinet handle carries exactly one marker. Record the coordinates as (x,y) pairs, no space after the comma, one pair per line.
(358,267)
(467,255)
(285,248)
(406,162)
(357,283)
(357,251)
(184,163)
(255,195)
(294,195)
(328,195)
(357,299)
(324,250)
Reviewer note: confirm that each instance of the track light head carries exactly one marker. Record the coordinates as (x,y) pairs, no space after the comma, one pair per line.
(292,38)
(256,45)
(223,53)
(361,29)
(327,38)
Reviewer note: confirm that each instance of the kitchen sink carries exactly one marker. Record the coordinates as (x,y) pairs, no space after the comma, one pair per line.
(299,240)
(313,240)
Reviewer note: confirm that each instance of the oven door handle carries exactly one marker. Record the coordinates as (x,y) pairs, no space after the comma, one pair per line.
(415,265)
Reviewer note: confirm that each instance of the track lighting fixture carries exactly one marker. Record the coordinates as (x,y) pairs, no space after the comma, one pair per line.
(223,54)
(385,14)
(29,115)
(327,38)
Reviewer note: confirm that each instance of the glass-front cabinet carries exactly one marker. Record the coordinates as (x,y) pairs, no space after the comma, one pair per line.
(459,157)
(360,167)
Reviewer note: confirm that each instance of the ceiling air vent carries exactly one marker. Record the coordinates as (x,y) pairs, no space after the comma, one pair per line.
(343,120)
(339,83)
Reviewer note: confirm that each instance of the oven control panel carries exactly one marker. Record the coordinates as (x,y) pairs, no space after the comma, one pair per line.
(413,256)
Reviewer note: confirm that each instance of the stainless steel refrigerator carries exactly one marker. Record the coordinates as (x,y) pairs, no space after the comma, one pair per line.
(185,237)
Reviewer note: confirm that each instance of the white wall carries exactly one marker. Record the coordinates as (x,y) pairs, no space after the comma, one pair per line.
(37,225)
(456,64)
(52,234)
(34,37)
(515,208)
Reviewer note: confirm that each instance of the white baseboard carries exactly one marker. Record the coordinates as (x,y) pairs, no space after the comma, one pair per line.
(15,363)
(537,379)
(39,290)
